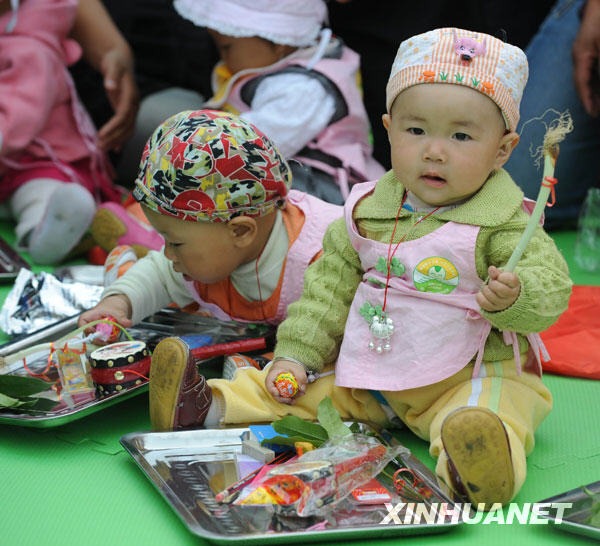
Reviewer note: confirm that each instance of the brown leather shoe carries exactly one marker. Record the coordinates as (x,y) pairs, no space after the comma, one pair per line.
(479,458)
(179,396)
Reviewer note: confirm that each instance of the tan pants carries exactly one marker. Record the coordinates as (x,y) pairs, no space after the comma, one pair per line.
(521,402)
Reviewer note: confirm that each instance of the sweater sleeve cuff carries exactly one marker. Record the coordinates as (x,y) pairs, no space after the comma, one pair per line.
(311,362)
(509,318)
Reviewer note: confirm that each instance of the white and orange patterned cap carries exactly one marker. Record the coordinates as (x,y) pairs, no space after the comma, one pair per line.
(462,57)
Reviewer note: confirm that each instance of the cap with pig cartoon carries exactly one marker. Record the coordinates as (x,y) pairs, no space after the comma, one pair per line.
(462,57)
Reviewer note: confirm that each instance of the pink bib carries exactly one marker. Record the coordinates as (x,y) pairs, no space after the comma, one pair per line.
(437,325)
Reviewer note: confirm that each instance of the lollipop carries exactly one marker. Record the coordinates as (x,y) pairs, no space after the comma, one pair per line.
(286,384)
(108,332)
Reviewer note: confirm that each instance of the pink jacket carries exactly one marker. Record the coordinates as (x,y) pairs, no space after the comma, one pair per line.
(41,119)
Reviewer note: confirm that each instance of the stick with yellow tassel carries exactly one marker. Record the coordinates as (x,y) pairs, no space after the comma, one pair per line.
(554,135)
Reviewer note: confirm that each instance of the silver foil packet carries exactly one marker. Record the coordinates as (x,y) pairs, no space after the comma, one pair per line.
(39,299)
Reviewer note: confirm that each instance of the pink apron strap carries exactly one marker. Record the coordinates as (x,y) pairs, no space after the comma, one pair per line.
(510,338)
(482,339)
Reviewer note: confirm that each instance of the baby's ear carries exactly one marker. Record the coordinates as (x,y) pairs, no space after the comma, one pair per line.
(242,230)
(507,145)
(386,119)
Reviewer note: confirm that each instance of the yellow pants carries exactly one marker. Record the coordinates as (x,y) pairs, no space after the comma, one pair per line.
(521,402)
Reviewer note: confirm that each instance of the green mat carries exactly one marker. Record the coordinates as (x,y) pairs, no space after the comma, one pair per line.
(74,485)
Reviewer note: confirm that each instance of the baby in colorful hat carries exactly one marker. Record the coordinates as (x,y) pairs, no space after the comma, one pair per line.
(281,71)
(409,304)
(237,239)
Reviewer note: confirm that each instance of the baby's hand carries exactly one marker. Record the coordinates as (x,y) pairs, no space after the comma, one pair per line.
(501,291)
(282,366)
(117,306)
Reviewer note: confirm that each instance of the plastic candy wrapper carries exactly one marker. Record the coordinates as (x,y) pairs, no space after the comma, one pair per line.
(37,300)
(318,480)
(286,384)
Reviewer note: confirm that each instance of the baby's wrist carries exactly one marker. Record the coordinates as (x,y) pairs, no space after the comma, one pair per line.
(307,370)
(293,360)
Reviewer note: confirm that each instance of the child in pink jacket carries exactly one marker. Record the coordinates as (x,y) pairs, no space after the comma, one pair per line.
(52,172)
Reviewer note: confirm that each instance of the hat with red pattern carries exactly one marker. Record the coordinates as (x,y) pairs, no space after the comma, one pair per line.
(208,165)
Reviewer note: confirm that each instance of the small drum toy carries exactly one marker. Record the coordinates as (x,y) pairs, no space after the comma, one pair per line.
(119,366)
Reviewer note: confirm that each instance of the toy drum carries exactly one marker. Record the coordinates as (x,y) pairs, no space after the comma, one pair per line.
(119,366)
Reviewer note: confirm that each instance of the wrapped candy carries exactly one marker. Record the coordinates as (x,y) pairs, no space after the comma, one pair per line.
(286,384)
(319,479)
(109,333)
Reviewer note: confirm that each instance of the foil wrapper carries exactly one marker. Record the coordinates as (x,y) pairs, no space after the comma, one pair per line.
(37,300)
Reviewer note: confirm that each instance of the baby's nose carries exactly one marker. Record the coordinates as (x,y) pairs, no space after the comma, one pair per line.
(434,151)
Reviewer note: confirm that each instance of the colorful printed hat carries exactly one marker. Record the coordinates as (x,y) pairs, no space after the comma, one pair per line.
(452,55)
(211,166)
(290,22)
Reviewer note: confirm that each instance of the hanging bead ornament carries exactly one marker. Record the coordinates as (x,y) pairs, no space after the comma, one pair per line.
(380,325)
(381,329)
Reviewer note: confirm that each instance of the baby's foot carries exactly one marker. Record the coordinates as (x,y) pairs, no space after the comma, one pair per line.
(113,226)
(69,213)
(180,399)
(479,460)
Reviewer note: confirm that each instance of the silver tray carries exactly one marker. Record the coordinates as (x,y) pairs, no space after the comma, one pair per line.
(573,518)
(190,467)
(167,322)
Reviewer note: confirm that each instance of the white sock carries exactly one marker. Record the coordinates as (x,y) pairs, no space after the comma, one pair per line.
(28,203)
(69,213)
(216,412)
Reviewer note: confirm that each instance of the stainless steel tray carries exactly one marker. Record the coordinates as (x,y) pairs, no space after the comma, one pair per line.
(10,262)
(190,467)
(167,322)
(573,518)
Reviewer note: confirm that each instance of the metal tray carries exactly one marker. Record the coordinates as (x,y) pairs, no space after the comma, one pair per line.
(151,330)
(10,262)
(573,518)
(190,467)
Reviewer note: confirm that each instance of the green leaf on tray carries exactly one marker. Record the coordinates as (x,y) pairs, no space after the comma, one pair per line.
(9,402)
(331,421)
(16,391)
(355,428)
(16,386)
(594,518)
(26,405)
(292,426)
(298,430)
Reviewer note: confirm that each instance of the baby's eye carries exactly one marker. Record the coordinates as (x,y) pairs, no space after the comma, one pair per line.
(415,131)
(462,137)
(174,245)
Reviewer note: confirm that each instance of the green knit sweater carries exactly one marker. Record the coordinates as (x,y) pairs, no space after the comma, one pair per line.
(313,330)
